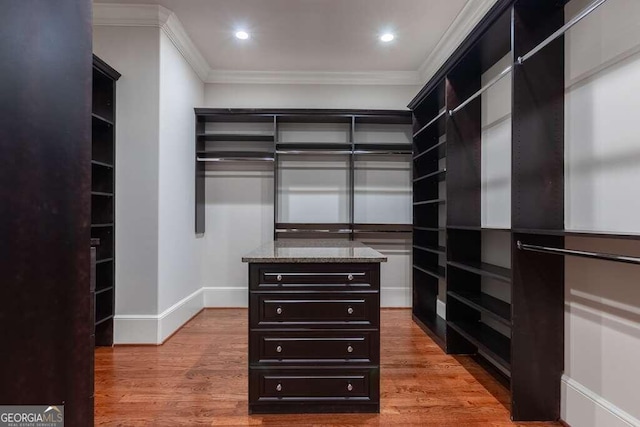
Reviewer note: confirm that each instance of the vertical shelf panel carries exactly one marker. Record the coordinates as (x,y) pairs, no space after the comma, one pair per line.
(537,203)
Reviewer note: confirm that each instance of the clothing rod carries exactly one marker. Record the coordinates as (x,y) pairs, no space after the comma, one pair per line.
(585,12)
(435,119)
(583,254)
(234,159)
(493,81)
(311,152)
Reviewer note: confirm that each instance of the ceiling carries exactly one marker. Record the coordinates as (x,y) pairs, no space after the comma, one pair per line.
(313,35)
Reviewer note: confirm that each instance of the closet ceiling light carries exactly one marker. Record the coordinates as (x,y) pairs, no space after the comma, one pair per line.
(242,35)
(387,37)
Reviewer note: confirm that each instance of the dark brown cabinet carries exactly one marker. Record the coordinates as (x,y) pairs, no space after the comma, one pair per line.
(314,339)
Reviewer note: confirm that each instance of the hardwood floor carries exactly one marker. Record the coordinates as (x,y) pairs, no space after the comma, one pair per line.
(199,377)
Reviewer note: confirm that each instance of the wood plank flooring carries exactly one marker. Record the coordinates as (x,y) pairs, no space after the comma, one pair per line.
(199,377)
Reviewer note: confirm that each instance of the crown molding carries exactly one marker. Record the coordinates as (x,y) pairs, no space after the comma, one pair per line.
(150,15)
(470,15)
(315,77)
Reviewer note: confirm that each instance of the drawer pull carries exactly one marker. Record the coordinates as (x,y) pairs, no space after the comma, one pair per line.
(279,349)
(279,387)
(349,387)
(349,349)
(350,277)
(279,310)
(350,310)
(279,277)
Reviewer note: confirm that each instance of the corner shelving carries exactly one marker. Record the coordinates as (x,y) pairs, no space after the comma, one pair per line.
(102,197)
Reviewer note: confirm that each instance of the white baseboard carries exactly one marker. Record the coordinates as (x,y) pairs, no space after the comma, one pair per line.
(441,309)
(154,329)
(581,407)
(226,297)
(396,297)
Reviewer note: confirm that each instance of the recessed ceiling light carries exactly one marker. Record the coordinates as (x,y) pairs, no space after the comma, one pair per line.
(387,37)
(242,35)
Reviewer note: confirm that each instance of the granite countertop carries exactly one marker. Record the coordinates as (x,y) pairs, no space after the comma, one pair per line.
(319,251)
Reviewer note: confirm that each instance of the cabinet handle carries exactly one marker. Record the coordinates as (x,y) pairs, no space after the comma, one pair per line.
(349,387)
(349,349)
(350,310)
(350,277)
(279,387)
(279,349)
(279,310)
(279,277)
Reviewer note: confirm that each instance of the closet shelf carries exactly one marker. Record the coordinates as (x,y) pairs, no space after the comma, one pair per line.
(102,164)
(430,202)
(104,319)
(102,119)
(484,269)
(440,273)
(440,250)
(488,340)
(102,225)
(436,119)
(441,148)
(381,228)
(100,261)
(497,309)
(434,229)
(102,290)
(383,149)
(233,137)
(476,228)
(434,325)
(440,175)
(101,194)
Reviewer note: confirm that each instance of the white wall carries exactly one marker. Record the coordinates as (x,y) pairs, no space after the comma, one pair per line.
(134,52)
(158,256)
(180,250)
(239,212)
(602,155)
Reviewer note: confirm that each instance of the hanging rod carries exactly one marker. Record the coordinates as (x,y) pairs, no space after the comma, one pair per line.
(583,254)
(435,119)
(586,11)
(309,230)
(483,89)
(235,159)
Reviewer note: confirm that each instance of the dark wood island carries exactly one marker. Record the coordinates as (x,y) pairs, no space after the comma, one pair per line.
(314,319)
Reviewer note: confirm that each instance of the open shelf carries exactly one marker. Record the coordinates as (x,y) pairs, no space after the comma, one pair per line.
(435,152)
(102,119)
(498,309)
(314,146)
(101,194)
(484,269)
(103,319)
(434,229)
(102,164)
(108,224)
(381,228)
(439,273)
(476,228)
(236,137)
(434,326)
(100,261)
(430,202)
(440,175)
(487,340)
(440,250)
(387,149)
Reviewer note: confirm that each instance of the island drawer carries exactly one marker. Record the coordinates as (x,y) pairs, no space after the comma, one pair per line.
(287,347)
(314,385)
(317,276)
(313,309)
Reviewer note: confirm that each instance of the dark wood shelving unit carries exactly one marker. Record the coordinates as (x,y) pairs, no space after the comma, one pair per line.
(448,124)
(102,197)
(316,150)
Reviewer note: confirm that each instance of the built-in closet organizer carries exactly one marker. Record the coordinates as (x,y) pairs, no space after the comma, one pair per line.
(103,173)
